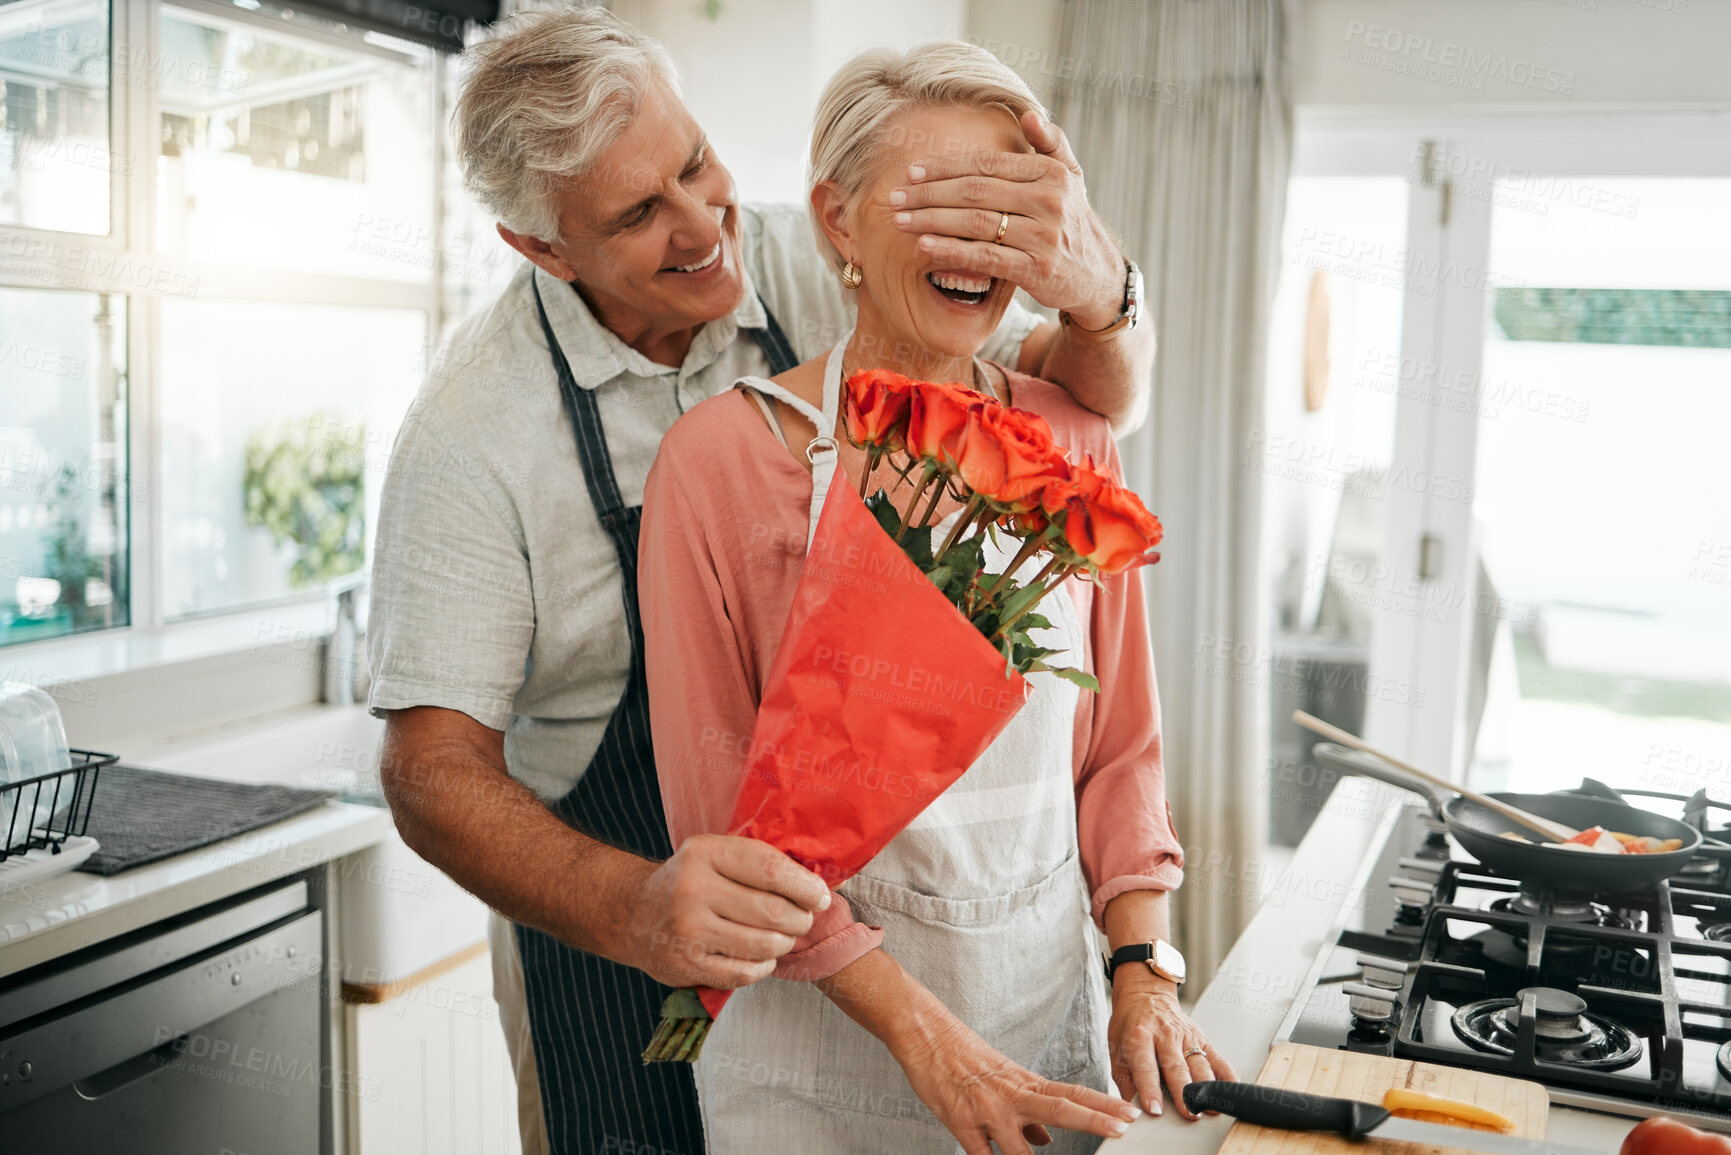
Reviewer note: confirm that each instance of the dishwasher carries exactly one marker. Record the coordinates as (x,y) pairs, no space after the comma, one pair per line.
(201,1033)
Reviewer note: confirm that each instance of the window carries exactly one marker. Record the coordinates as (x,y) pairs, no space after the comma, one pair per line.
(62,463)
(208,338)
(1601,489)
(55,158)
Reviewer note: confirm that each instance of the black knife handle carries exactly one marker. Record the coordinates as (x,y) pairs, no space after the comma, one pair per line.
(1286,1110)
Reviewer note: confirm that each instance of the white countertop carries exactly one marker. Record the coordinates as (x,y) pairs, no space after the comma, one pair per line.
(44,920)
(1244,1005)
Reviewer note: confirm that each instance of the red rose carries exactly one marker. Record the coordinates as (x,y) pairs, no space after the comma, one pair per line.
(937,415)
(877,408)
(1006,456)
(1107,525)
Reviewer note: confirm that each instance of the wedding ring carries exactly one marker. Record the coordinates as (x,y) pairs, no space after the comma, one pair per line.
(1193,1051)
(1003,227)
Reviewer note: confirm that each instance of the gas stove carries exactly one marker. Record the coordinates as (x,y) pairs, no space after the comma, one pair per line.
(1619,1003)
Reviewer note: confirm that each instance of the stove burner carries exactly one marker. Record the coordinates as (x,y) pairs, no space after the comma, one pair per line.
(1725,1060)
(1717,932)
(1540,902)
(1563,1030)
(1700,869)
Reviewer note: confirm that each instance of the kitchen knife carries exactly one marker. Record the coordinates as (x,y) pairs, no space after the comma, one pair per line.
(1298,1111)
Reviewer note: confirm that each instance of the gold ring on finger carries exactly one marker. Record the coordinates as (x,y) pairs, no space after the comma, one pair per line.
(1003,227)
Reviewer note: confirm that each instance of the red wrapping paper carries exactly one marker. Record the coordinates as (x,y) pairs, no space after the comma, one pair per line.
(882,695)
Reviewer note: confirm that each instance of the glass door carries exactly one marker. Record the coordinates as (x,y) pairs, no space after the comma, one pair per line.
(1603,496)
(1512,501)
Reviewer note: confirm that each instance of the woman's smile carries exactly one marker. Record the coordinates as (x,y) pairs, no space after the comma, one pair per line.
(966,289)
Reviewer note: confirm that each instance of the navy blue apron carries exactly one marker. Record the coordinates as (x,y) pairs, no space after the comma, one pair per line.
(590,1018)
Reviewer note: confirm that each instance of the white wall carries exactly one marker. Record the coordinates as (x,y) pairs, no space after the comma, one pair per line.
(1602,51)
(753,75)
(1557,53)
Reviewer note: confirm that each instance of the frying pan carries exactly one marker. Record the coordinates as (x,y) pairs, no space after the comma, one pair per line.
(1479,831)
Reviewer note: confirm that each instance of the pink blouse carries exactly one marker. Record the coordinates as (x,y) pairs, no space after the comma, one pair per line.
(725,514)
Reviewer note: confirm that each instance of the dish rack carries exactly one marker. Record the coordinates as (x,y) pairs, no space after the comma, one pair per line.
(29,852)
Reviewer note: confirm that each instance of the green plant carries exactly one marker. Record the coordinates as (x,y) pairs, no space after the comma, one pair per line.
(304,484)
(67,558)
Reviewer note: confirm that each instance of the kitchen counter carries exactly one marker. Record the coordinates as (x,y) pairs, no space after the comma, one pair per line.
(47,919)
(1244,1005)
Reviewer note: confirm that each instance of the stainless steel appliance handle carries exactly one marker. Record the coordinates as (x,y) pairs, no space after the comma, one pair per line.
(127,1071)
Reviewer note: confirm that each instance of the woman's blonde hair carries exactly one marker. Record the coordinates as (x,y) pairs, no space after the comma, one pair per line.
(849,130)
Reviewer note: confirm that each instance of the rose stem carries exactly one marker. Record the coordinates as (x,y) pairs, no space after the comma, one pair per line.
(967,516)
(1004,625)
(871,464)
(1030,547)
(931,471)
(691,1040)
(678,1037)
(937,496)
(654,1047)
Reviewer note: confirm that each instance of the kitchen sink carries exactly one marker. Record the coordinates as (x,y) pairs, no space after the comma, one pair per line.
(399,913)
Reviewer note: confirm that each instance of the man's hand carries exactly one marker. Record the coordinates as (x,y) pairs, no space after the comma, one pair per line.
(1055,246)
(720,912)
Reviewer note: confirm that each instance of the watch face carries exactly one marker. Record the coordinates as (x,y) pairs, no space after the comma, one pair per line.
(1167,958)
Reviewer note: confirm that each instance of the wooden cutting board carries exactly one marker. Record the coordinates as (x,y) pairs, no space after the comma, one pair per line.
(1346,1075)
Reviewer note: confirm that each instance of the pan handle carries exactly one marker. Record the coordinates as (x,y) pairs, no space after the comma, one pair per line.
(1339,758)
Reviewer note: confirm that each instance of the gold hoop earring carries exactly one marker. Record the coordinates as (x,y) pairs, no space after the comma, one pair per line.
(851,275)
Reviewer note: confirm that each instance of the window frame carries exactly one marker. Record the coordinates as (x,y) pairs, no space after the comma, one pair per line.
(130,244)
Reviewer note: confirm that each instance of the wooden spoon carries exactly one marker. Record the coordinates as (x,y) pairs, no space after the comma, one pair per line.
(1544,827)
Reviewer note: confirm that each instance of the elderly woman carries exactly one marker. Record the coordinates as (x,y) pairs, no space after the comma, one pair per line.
(950,993)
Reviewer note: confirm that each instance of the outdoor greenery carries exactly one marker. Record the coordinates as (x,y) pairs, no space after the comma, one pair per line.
(304,484)
(1698,318)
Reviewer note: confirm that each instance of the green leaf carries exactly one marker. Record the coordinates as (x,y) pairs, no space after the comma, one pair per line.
(1032,621)
(1085,680)
(918,546)
(940,575)
(1026,655)
(966,556)
(886,513)
(1022,598)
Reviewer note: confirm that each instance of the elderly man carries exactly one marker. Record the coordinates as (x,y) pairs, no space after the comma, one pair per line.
(507,654)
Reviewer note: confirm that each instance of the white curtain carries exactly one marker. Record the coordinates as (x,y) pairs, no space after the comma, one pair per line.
(1180,114)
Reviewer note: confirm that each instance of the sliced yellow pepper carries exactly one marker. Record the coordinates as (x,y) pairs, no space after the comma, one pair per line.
(1424,1107)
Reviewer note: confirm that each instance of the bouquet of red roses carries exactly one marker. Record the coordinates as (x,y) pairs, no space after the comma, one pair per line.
(904,654)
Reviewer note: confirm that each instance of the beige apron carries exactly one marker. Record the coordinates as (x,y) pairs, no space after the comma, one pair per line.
(982,899)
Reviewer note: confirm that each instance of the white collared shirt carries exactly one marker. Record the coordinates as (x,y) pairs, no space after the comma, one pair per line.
(495,589)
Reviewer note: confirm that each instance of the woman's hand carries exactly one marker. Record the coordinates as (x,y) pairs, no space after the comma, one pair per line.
(1151,1038)
(983,1098)
(1055,245)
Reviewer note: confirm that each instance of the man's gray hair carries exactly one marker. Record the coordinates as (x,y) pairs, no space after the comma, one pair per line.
(541,99)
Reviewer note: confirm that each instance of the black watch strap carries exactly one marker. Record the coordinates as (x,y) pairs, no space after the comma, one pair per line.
(1136,952)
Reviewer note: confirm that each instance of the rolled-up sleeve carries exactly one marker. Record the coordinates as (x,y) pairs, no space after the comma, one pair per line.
(452,613)
(702,705)
(1124,823)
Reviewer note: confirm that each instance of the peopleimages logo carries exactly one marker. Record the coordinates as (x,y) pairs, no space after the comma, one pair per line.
(1453,61)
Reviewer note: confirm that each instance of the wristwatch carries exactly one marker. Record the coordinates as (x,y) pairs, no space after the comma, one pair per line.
(1128,315)
(1161,956)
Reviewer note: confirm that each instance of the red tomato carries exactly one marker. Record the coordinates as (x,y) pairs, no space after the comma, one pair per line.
(1661,1136)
